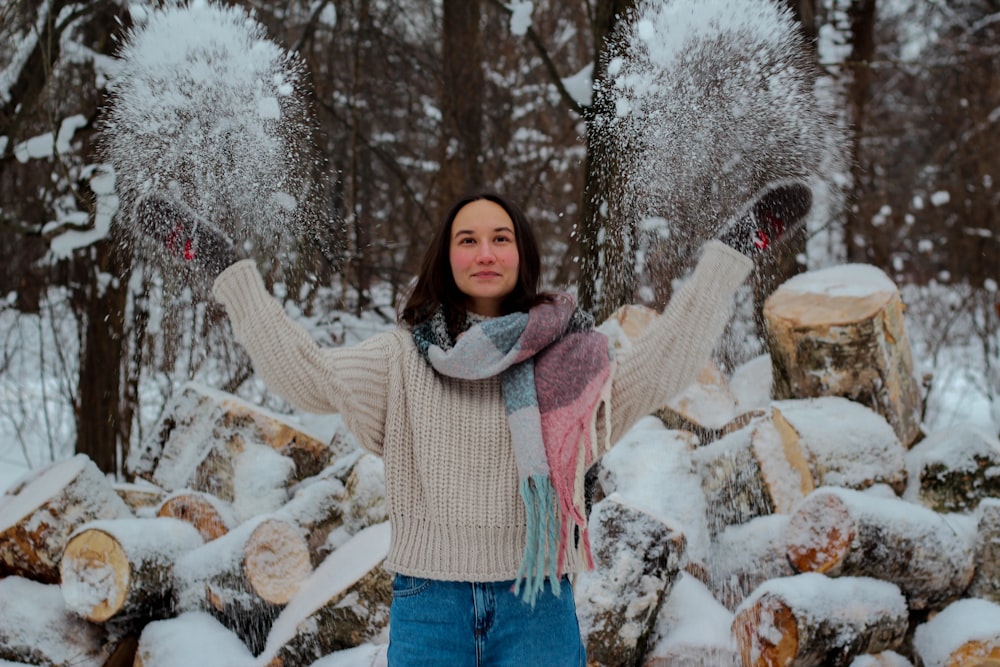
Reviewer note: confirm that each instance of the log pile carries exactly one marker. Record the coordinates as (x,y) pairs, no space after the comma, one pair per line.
(786,513)
(231,514)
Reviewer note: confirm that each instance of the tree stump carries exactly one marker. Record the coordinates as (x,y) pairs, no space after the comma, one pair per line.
(37,629)
(752,472)
(840,332)
(345,603)
(810,620)
(845,532)
(965,634)
(848,444)
(638,559)
(951,470)
(36,523)
(210,516)
(245,577)
(123,568)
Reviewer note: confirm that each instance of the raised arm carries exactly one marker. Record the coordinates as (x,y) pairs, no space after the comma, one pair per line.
(352,381)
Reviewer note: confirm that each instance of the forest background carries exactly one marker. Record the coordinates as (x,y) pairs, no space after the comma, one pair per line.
(416,101)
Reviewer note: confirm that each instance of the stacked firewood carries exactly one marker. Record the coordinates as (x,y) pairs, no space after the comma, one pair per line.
(788,513)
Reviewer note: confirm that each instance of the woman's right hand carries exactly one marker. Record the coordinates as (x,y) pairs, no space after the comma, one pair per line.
(184,236)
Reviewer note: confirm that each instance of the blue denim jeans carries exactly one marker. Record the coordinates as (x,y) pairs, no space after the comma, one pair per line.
(461,624)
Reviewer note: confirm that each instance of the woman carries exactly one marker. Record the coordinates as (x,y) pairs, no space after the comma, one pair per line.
(487,404)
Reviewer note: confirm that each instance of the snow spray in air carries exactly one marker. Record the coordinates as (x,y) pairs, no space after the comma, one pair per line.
(711,101)
(205,111)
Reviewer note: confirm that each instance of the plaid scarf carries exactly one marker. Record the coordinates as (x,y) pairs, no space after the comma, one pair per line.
(555,373)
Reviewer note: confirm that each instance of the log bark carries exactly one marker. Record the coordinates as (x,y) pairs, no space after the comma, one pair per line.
(122,569)
(204,430)
(317,508)
(814,621)
(954,469)
(965,634)
(37,629)
(210,516)
(245,577)
(345,603)
(845,532)
(827,340)
(638,557)
(986,580)
(857,451)
(36,523)
(752,472)
(364,501)
(747,555)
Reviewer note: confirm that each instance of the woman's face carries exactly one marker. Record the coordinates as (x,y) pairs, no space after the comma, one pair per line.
(483,254)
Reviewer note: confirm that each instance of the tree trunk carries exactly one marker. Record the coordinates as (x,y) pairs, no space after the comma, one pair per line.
(462,100)
(828,341)
(860,30)
(829,625)
(955,468)
(607,235)
(36,524)
(159,645)
(747,555)
(318,510)
(121,569)
(101,433)
(845,532)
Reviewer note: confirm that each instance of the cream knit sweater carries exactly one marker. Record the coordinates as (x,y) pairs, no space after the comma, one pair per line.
(451,480)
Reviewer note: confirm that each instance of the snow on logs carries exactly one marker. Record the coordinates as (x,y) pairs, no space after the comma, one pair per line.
(124,567)
(37,629)
(810,620)
(344,603)
(638,558)
(245,577)
(840,332)
(965,634)
(952,470)
(36,523)
(841,532)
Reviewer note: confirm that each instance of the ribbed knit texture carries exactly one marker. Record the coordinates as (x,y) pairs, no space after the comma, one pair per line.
(452,482)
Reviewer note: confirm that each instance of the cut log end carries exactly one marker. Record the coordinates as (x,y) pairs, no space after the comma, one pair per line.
(976,654)
(823,539)
(276,561)
(767,633)
(96,569)
(199,512)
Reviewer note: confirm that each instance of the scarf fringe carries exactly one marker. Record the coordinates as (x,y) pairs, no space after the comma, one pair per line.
(543,539)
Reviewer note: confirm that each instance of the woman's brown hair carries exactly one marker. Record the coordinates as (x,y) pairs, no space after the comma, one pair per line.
(436,286)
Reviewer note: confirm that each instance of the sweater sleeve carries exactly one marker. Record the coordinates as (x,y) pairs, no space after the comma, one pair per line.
(352,381)
(674,348)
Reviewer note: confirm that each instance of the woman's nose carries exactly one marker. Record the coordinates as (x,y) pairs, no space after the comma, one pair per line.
(486,254)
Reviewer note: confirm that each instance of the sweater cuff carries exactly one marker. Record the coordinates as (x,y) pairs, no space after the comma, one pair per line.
(241,290)
(725,262)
